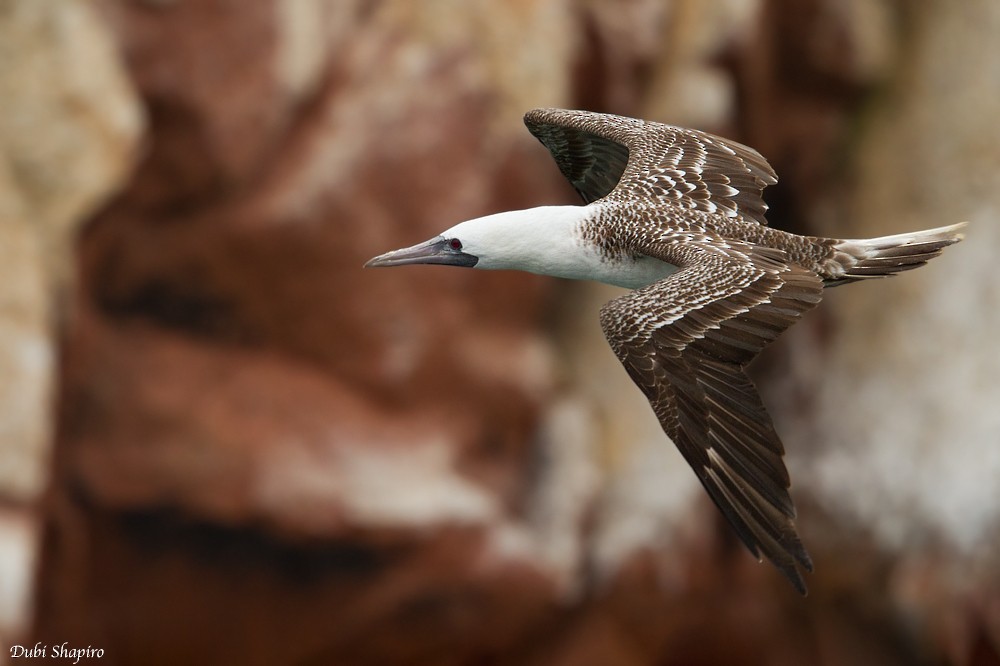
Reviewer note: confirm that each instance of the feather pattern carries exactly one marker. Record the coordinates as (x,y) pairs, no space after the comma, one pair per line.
(694,201)
(707,322)
(604,155)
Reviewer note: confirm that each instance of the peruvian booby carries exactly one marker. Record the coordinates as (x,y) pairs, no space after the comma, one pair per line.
(676,215)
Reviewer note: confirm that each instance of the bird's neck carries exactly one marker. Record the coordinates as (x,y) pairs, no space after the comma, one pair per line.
(561,241)
(547,240)
(557,241)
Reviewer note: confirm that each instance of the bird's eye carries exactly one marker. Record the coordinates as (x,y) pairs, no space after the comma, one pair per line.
(455,244)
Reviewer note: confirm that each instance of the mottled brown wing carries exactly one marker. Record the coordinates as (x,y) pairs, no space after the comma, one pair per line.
(685,341)
(602,154)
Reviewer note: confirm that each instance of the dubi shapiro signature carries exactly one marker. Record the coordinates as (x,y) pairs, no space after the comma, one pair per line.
(60,651)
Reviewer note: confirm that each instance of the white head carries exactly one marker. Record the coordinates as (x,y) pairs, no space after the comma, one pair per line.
(542,240)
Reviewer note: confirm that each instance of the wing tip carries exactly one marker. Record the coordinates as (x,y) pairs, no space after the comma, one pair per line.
(794,576)
(779,544)
(789,568)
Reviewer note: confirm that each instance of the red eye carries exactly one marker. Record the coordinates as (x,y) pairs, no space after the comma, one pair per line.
(455,244)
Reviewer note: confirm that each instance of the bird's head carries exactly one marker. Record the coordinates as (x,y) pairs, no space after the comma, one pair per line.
(527,240)
(448,249)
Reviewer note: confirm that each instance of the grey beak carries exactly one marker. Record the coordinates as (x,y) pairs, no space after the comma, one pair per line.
(437,250)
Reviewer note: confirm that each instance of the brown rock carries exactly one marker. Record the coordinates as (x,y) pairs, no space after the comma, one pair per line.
(69,123)
(64,146)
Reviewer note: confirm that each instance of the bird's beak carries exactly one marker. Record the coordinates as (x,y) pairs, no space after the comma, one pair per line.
(435,251)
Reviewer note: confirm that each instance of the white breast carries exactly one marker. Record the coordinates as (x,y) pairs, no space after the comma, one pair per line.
(632,273)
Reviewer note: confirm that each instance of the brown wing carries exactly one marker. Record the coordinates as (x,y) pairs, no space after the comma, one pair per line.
(602,155)
(685,341)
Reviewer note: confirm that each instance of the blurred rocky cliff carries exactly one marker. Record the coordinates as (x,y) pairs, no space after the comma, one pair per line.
(262,453)
(69,124)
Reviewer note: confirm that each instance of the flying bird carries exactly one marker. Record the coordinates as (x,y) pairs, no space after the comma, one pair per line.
(676,216)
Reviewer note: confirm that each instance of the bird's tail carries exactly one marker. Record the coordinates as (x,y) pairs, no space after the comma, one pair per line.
(863,259)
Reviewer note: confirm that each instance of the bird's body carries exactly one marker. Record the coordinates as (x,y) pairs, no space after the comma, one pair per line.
(677,216)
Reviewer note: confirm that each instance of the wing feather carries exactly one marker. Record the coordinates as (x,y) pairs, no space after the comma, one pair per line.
(686,341)
(605,155)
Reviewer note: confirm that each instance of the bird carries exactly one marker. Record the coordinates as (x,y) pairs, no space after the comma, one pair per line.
(677,217)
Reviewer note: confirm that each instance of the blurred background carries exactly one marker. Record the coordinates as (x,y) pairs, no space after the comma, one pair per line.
(222,441)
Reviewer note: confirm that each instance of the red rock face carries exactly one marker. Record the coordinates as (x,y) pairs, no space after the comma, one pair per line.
(267,454)
(243,403)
